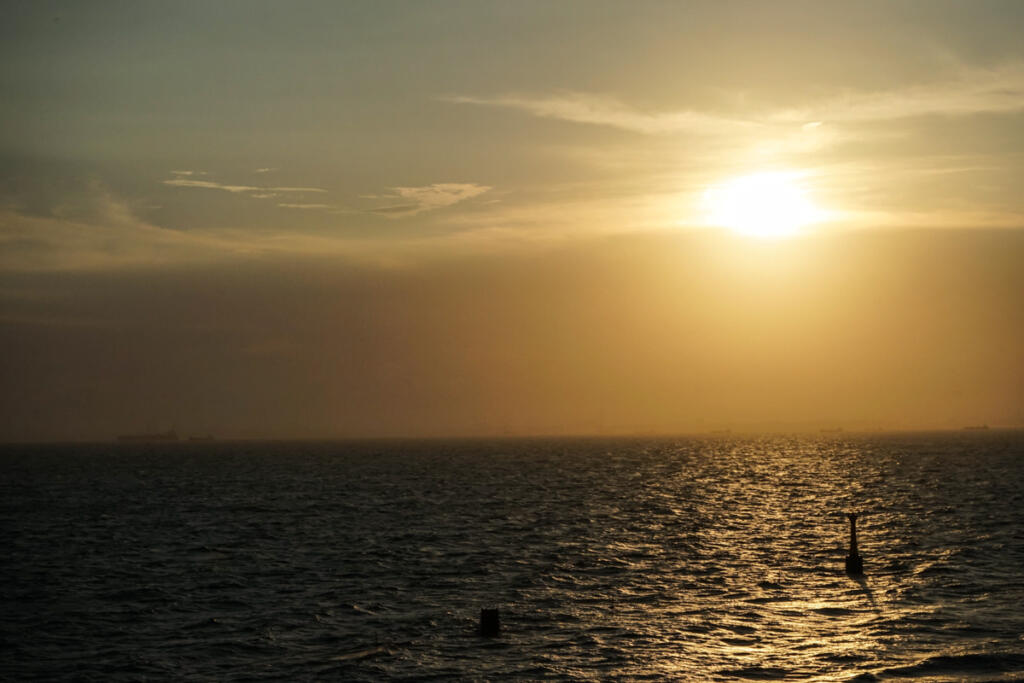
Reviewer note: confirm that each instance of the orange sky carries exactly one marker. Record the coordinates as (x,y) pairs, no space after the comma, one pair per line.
(452,218)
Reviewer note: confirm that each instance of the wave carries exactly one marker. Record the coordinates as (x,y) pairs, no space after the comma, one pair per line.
(972,664)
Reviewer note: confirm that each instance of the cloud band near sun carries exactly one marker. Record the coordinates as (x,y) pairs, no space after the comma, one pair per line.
(965,92)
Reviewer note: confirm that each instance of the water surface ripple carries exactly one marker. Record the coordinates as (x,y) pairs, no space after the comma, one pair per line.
(688,559)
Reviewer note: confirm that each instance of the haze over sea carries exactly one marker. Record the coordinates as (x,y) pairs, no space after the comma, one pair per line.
(714,558)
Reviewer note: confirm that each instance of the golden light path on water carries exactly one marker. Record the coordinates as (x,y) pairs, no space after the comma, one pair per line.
(781,603)
(755,588)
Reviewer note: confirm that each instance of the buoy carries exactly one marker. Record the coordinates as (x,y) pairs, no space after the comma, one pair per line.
(490,622)
(854,562)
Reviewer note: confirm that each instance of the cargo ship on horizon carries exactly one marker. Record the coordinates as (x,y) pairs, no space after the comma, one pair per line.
(155,437)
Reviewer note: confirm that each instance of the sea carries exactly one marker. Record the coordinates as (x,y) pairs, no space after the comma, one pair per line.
(714,558)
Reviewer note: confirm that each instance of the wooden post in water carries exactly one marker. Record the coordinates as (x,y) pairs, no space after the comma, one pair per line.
(490,622)
(854,562)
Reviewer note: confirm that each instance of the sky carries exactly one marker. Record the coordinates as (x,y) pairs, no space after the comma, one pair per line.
(320,219)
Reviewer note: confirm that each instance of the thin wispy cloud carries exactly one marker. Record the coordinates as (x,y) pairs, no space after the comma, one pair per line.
(427,197)
(210,185)
(970,92)
(967,92)
(34,244)
(296,189)
(104,232)
(410,200)
(606,111)
(260,192)
(287,205)
(395,209)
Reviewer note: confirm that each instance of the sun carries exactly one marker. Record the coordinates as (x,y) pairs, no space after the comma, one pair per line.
(768,205)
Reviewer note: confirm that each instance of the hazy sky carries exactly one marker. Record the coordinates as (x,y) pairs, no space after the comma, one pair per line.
(404,218)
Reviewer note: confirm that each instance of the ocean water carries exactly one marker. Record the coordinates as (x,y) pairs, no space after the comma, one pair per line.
(686,559)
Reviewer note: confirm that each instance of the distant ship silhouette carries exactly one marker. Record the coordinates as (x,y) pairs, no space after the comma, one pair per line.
(155,437)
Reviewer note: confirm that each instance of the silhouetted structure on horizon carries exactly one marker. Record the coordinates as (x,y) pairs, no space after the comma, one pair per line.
(154,437)
(854,562)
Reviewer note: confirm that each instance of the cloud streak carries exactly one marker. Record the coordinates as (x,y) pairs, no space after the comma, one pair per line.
(605,111)
(973,91)
(110,238)
(428,198)
(287,205)
(260,192)
(968,92)
(114,238)
(210,185)
(413,200)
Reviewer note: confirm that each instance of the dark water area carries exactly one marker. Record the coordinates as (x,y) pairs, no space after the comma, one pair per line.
(687,559)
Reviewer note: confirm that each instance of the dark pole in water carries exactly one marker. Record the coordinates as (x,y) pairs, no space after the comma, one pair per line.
(490,622)
(854,562)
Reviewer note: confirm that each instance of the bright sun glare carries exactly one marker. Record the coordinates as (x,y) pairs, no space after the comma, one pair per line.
(768,205)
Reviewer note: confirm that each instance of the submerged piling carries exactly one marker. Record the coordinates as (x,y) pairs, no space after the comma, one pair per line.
(490,622)
(854,562)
